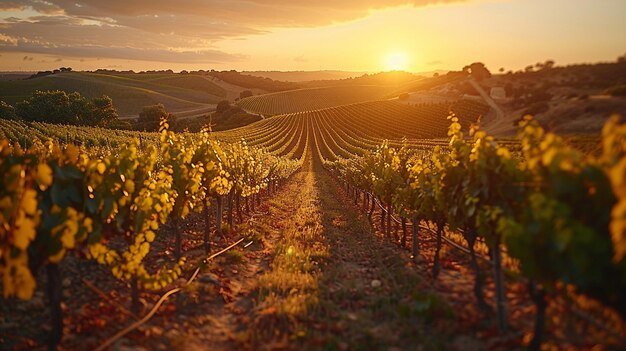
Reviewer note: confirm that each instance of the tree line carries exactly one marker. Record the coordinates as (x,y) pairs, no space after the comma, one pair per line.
(59,107)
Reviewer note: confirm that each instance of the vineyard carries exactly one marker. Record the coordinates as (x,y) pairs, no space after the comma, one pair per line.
(366,205)
(110,205)
(26,133)
(354,129)
(522,215)
(130,92)
(301,100)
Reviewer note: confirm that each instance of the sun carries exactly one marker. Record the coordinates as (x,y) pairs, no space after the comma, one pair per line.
(397,61)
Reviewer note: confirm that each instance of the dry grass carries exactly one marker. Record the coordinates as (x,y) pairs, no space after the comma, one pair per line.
(288,290)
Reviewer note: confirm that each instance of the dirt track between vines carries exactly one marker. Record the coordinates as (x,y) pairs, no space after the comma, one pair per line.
(318,278)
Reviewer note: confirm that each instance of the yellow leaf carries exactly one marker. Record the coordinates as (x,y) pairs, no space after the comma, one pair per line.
(130,186)
(44,175)
(25,232)
(29,201)
(144,249)
(58,257)
(88,224)
(24,282)
(68,237)
(101,167)
(618,229)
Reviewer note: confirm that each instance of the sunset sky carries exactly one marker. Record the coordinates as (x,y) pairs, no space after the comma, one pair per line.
(352,35)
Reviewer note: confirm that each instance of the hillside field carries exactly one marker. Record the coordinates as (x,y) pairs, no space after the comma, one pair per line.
(130,92)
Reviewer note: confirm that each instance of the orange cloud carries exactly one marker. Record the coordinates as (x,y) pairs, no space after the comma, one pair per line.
(165,30)
(272,13)
(11,5)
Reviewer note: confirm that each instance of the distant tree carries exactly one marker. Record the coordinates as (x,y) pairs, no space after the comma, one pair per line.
(222,106)
(436,74)
(40,74)
(120,124)
(478,71)
(621,59)
(529,68)
(59,107)
(150,117)
(501,70)
(103,112)
(7,111)
(244,94)
(549,64)
(49,106)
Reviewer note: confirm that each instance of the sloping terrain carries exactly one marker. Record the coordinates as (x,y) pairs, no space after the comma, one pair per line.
(130,92)
(300,100)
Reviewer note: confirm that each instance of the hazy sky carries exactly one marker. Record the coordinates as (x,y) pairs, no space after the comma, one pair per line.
(369,35)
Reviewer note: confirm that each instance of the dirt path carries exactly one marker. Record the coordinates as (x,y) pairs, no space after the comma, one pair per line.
(488,100)
(371,298)
(317,277)
(325,281)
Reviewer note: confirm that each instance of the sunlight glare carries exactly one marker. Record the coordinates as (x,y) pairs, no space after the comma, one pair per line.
(397,61)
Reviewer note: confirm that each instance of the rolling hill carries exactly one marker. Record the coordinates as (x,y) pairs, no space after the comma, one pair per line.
(300,100)
(130,92)
(348,130)
(305,76)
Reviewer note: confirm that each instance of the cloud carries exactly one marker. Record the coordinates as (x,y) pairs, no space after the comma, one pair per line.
(42,6)
(11,6)
(12,20)
(272,13)
(158,55)
(7,40)
(172,31)
(49,20)
(250,14)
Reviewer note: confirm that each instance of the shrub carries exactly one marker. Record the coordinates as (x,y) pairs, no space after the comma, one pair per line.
(618,90)
(244,94)
(57,106)
(7,111)
(222,106)
(150,117)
